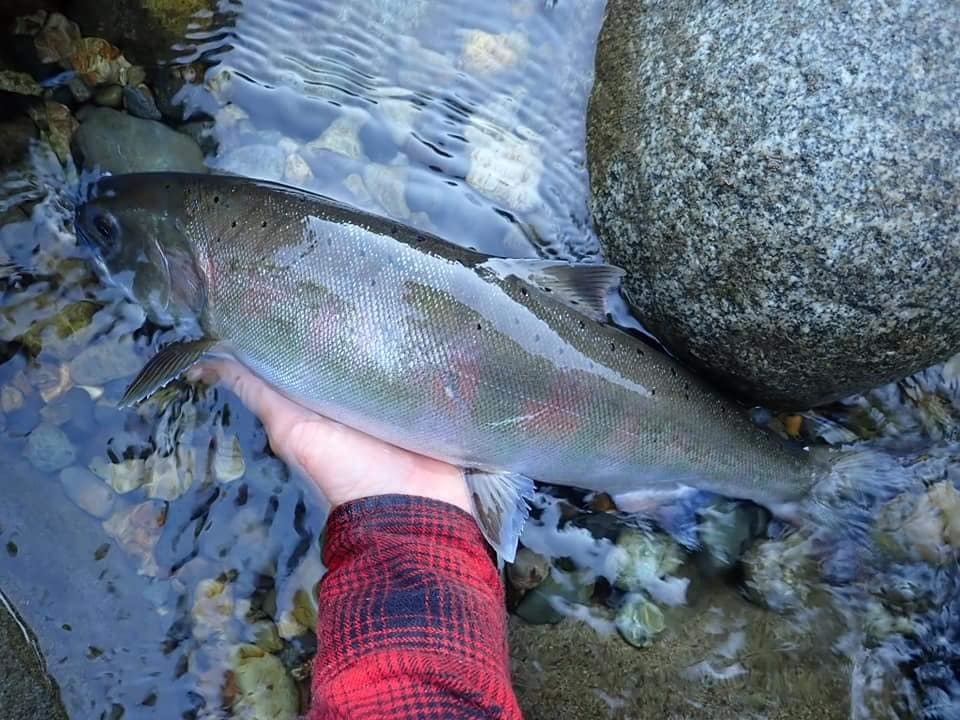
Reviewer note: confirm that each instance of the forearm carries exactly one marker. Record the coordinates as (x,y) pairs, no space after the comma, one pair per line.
(411,616)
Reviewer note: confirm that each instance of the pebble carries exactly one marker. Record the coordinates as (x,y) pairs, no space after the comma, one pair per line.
(341,136)
(109,96)
(540,605)
(265,162)
(726,528)
(264,689)
(640,556)
(88,491)
(136,530)
(387,184)
(121,143)
(170,476)
(528,570)
(138,100)
(105,361)
(297,171)
(639,620)
(124,476)
(486,53)
(228,462)
(213,607)
(49,449)
(79,89)
(57,40)
(11,399)
(505,167)
(779,574)
(19,83)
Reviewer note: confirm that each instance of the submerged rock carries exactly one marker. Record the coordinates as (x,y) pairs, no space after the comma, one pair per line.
(105,361)
(264,689)
(726,528)
(120,143)
(779,181)
(528,569)
(641,557)
(780,574)
(49,449)
(639,620)
(87,491)
(138,100)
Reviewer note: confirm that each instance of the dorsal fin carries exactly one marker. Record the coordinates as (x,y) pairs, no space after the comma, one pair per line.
(583,286)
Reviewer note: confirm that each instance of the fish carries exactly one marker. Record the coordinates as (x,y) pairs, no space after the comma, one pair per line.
(507,368)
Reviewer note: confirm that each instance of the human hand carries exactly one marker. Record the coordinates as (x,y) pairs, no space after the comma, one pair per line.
(344,463)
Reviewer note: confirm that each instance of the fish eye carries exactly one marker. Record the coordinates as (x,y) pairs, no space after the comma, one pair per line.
(106,226)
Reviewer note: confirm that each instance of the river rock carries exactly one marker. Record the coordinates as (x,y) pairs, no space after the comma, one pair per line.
(49,449)
(87,491)
(120,143)
(779,181)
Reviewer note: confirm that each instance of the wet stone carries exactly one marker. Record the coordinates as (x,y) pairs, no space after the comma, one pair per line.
(528,570)
(726,529)
(88,491)
(11,399)
(19,83)
(639,620)
(57,40)
(110,96)
(136,530)
(79,89)
(387,184)
(120,143)
(138,100)
(264,689)
(15,138)
(49,449)
(265,162)
(642,556)
(105,361)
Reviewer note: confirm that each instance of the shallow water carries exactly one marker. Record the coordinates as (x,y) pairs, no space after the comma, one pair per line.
(467,121)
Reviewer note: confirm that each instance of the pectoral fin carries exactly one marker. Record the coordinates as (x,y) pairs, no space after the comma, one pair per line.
(500,501)
(583,287)
(164,367)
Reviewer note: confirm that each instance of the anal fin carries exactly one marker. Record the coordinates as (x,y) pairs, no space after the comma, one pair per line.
(501,504)
(164,367)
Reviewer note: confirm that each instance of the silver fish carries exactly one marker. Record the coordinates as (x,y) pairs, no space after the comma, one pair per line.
(503,367)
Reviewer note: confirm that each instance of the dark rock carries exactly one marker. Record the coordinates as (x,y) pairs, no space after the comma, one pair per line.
(780,182)
(27,692)
(15,137)
(110,96)
(120,143)
(138,100)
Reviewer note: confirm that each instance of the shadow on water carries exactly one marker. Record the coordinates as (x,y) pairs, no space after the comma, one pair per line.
(166,560)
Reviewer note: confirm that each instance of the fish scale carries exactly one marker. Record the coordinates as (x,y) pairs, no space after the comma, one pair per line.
(485,363)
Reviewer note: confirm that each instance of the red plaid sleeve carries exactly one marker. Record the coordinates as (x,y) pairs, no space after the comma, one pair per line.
(411,616)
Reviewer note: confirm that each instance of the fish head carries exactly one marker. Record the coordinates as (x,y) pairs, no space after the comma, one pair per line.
(133,227)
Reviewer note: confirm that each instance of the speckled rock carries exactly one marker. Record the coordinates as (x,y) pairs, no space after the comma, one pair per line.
(779,180)
(120,143)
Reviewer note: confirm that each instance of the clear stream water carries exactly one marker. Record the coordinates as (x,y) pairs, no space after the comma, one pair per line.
(465,119)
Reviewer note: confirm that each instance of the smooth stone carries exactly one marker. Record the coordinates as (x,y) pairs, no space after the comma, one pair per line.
(120,143)
(265,162)
(725,530)
(779,181)
(87,491)
(639,621)
(49,449)
(138,100)
(99,364)
(110,96)
(264,688)
(15,138)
